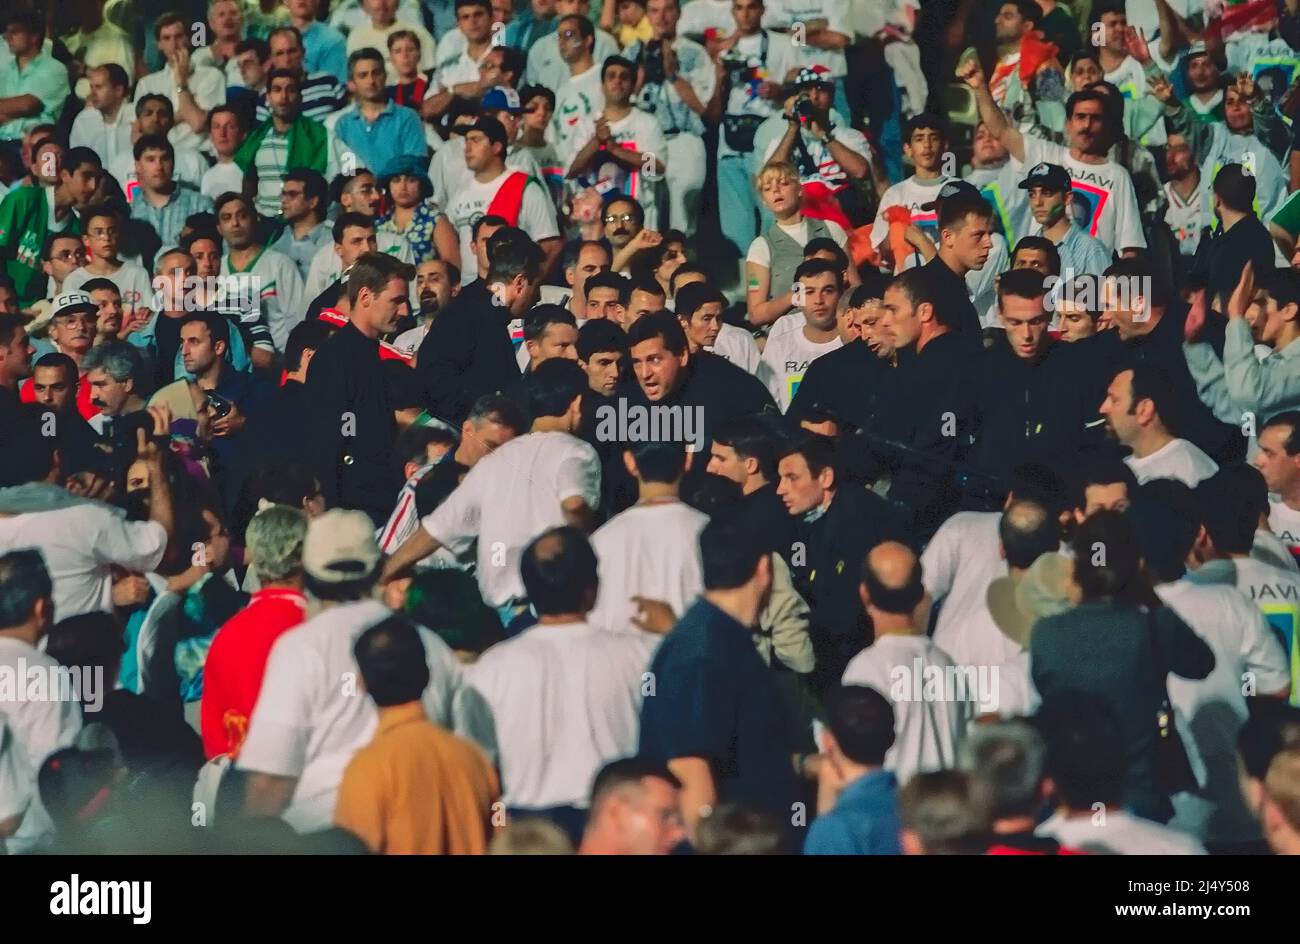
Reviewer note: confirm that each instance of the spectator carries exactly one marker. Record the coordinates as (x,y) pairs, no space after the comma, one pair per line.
(1138,409)
(33,84)
(943,812)
(285,141)
(634,810)
(162,202)
(193,89)
(372,131)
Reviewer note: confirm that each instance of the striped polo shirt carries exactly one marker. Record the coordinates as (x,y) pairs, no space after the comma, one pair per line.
(321,96)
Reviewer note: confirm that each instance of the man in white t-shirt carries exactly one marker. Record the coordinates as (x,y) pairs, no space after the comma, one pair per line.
(496,190)
(543,479)
(786,357)
(103,228)
(565,696)
(1278,460)
(31,728)
(581,95)
(924,144)
(1104,185)
(929,727)
(104,125)
(82,540)
(307,724)
(547,66)
(1136,401)
(652,549)
(699,307)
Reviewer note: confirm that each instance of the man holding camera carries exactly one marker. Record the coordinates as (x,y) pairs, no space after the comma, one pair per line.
(818,140)
(675,83)
(752,66)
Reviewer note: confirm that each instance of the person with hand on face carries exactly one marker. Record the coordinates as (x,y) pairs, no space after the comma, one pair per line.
(110,320)
(624,221)
(287,140)
(191,88)
(634,810)
(276,276)
(1048,186)
(437,282)
(104,125)
(161,201)
(372,132)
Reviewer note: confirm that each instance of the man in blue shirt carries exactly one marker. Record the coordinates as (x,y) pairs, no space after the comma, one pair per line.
(864,820)
(715,717)
(33,85)
(373,129)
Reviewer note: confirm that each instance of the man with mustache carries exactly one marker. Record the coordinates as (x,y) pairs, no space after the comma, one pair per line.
(114,373)
(437,282)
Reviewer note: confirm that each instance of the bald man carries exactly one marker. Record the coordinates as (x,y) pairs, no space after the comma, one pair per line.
(931,710)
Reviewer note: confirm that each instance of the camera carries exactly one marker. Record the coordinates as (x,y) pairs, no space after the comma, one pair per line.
(652,60)
(804,112)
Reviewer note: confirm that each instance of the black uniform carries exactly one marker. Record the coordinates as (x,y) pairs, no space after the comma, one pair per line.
(466,353)
(846,381)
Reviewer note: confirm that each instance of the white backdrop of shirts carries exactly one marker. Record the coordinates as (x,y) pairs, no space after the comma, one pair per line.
(1000,186)
(350,15)
(738,346)
(458,68)
(188,167)
(1120,833)
(784,14)
(1209,712)
(827,168)
(960,562)
(471,201)
(448,173)
(912,193)
(651,551)
(132,282)
(577,97)
(1106,188)
(973,637)
(546,68)
(635,131)
(785,360)
(1176,459)
(1285,522)
(1271,549)
(107,139)
(302,728)
(565,700)
(743,98)
(663,100)
(222,177)
(508,498)
(1277,594)
(927,732)
(981,284)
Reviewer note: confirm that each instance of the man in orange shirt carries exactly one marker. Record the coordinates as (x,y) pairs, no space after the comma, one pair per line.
(416,789)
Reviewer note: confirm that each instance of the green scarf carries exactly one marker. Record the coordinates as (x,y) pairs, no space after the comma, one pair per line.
(308,145)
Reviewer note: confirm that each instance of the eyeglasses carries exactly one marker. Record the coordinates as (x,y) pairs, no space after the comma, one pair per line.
(102,233)
(77,253)
(292,194)
(625,218)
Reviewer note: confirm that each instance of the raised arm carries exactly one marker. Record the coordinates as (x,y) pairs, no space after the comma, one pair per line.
(993,117)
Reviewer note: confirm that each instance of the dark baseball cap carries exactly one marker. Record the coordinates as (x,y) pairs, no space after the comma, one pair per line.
(494,130)
(951,189)
(1052,176)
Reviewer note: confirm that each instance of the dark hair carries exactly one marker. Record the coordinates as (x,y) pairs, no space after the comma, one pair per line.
(1103,472)
(447,602)
(1289,418)
(947,810)
(541,317)
(52,238)
(622,61)
(820,244)
(1043,245)
(629,772)
(373,271)
(1152,382)
(165,20)
(558,569)
(659,460)
(811,268)
(598,336)
(392,661)
(262,49)
(751,438)
(90,639)
(955,209)
(586,29)
(638,211)
(27,21)
(711,494)
(659,324)
(73,158)
(341,182)
(924,121)
(817,451)
(492,407)
(151,97)
(58,361)
(1166,518)
(1235,188)
(695,296)
(215,322)
(529,92)
(512,61)
(309,335)
(1231,502)
(1028,10)
(1028,530)
(741,829)
(151,142)
(509,257)
(862,721)
(403,386)
(1282,285)
(100,284)
(683,270)
(554,385)
(1107,560)
(404,34)
(730,553)
(350,218)
(314,187)
(485,4)
(287,30)
(361,55)
(279,482)
(573,249)
(231,196)
(1085,749)
(489,219)
(115,74)
(198,234)
(919,289)
(647,284)
(899,601)
(24,579)
(1271,727)
(9,325)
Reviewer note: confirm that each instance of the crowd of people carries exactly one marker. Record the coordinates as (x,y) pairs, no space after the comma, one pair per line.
(643,427)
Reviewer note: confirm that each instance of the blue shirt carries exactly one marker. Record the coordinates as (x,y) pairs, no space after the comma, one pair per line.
(169,219)
(1082,254)
(715,699)
(45,78)
(395,131)
(863,822)
(325,50)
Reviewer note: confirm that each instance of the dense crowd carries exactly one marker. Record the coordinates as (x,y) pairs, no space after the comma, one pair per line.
(823,426)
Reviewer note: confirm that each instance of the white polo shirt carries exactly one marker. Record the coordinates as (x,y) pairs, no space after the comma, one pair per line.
(566,700)
(510,497)
(81,544)
(651,551)
(1176,459)
(312,714)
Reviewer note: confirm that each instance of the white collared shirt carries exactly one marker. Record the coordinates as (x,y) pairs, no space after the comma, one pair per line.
(108,139)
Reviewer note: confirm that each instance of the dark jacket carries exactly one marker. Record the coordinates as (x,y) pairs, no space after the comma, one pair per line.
(1221,258)
(952,299)
(352,425)
(846,383)
(466,354)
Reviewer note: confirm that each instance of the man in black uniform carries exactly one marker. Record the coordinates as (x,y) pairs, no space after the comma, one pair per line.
(352,423)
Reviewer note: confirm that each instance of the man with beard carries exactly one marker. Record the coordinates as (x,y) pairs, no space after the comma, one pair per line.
(437,282)
(1240,240)
(55,385)
(271,274)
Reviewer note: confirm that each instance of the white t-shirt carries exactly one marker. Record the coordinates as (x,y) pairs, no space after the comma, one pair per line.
(545,67)
(912,193)
(1132,84)
(1285,522)
(188,168)
(34,729)
(510,497)
(580,96)
(1119,834)
(326,266)
(1176,459)
(959,563)
(784,361)
(635,131)
(973,638)
(927,730)
(1211,711)
(651,551)
(222,177)
(785,13)
(828,170)
(131,279)
(738,346)
(471,201)
(565,700)
(281,297)
(760,250)
(207,87)
(1188,219)
(1000,186)
(312,715)
(1107,189)
(1277,594)
(455,64)
(742,97)
(700,15)
(1268,547)
(81,544)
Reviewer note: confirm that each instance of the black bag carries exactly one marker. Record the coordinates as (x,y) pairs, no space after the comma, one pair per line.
(739,131)
(1173,771)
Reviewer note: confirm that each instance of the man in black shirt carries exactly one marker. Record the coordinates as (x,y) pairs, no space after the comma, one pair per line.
(468,351)
(846,381)
(352,423)
(745,451)
(965,240)
(1241,237)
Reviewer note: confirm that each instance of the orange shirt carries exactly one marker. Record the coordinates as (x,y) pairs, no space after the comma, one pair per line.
(418,789)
